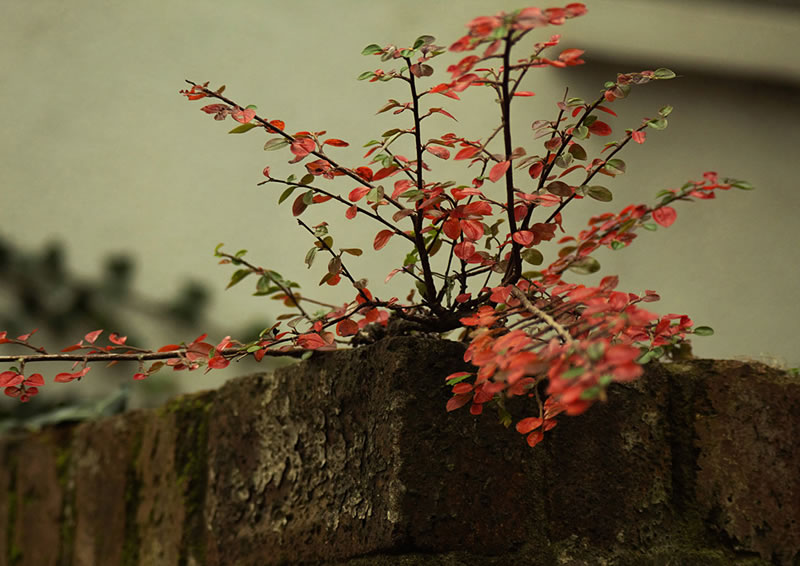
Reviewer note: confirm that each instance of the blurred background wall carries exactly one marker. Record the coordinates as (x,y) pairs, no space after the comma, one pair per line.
(100,154)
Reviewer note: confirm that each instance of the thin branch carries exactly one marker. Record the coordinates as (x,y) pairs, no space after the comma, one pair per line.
(546,318)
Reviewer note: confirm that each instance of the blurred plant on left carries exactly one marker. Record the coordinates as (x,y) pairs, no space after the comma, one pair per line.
(40,289)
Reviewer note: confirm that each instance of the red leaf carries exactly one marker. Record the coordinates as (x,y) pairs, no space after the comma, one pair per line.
(67,377)
(440,152)
(385,172)
(524,93)
(92,336)
(12,391)
(472,229)
(346,327)
(218,362)
(638,136)
(381,238)
(139,376)
(351,212)
(357,194)
(535,438)
(498,171)
(335,143)
(74,347)
(365,173)
(467,153)
(24,337)
(302,146)
(279,124)
(311,341)
(8,378)
(35,380)
(243,115)
(570,55)
(523,237)
(117,339)
(526,425)
(458,401)
(599,128)
(536,169)
(606,109)
(299,205)
(665,215)
(169,348)
(462,387)
(400,187)
(464,250)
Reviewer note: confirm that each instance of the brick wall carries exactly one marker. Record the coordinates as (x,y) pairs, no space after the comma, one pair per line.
(349,458)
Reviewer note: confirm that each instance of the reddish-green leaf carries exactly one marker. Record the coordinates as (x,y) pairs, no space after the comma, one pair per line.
(440,152)
(599,128)
(299,205)
(467,153)
(498,171)
(665,215)
(382,238)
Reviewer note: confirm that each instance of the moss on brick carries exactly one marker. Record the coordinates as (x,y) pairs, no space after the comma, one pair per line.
(191,464)
(132,542)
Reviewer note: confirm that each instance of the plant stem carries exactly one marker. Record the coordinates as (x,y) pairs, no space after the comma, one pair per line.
(430,286)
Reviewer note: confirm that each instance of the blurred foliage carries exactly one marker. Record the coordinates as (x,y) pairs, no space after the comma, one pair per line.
(39,290)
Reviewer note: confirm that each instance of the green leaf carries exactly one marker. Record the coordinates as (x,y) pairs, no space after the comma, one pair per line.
(242,128)
(352,251)
(744,185)
(650,226)
(665,111)
(308,198)
(577,151)
(219,247)
(615,166)
(366,75)
(264,285)
(240,254)
(376,194)
(237,276)
(599,193)
(617,245)
(310,257)
(307,178)
(371,49)
(572,373)
(590,393)
(559,188)
(564,160)
(423,40)
(658,124)
(585,265)
(411,258)
(285,194)
(703,331)
(275,143)
(664,74)
(580,133)
(532,256)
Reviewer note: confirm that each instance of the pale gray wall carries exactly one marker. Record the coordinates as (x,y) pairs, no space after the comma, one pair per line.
(99,151)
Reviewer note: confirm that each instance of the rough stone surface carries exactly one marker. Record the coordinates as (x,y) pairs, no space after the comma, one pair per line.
(350,459)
